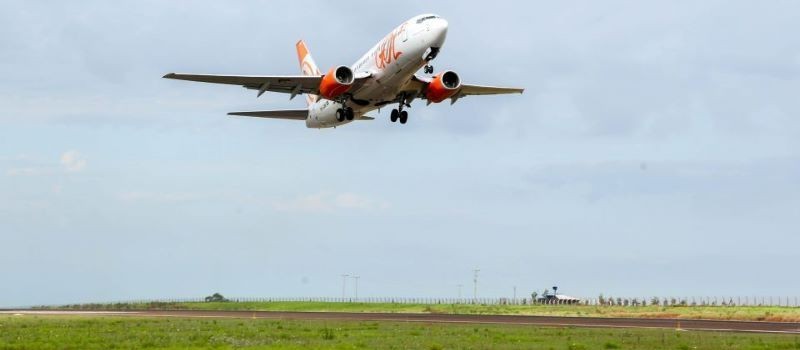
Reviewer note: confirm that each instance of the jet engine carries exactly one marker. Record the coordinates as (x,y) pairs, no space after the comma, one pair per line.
(336,82)
(443,86)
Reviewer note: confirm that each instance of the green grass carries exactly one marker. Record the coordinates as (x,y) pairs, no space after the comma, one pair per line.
(750,313)
(98,332)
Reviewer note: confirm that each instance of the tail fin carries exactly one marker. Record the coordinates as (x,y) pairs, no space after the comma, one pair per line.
(307,66)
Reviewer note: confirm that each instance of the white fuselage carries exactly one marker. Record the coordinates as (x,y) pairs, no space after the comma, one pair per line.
(391,64)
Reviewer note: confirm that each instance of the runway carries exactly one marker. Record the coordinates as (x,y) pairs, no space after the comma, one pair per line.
(551,321)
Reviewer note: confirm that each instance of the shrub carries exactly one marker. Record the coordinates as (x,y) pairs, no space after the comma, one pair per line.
(328,334)
(216,297)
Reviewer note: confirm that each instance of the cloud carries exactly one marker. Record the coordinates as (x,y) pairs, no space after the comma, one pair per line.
(164,197)
(24,165)
(354,201)
(73,161)
(14,158)
(311,203)
(328,202)
(23,172)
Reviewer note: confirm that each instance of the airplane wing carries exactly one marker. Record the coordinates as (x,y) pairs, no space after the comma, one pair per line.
(294,114)
(467,90)
(420,83)
(290,84)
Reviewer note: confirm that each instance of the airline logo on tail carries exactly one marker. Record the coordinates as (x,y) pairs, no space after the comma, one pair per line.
(308,67)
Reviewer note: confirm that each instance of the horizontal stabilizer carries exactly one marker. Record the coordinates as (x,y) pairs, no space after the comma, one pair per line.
(294,114)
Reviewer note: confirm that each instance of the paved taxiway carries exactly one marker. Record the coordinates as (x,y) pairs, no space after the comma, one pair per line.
(684,324)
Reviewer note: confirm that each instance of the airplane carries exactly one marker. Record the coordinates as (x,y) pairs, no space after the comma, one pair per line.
(385,75)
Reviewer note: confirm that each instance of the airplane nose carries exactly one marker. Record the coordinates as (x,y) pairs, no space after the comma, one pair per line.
(438,32)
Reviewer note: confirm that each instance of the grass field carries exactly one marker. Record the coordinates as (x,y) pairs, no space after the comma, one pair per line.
(98,332)
(749,313)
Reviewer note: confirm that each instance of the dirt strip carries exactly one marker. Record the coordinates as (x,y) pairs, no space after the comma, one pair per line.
(683,324)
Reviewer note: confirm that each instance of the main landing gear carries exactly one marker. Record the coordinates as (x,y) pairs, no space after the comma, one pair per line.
(344,113)
(428,69)
(399,114)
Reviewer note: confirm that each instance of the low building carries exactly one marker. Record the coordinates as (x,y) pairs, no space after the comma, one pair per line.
(557,299)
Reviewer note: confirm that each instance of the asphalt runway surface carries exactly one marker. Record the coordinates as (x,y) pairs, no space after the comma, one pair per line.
(551,321)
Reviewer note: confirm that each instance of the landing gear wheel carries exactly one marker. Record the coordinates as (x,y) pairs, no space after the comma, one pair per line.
(403,117)
(428,69)
(340,115)
(395,115)
(348,113)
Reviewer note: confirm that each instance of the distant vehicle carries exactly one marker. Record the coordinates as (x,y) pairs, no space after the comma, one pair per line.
(385,75)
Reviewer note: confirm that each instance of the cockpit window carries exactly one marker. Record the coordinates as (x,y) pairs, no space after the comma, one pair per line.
(423,19)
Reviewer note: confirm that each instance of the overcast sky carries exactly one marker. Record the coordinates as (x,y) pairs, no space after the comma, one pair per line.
(656,151)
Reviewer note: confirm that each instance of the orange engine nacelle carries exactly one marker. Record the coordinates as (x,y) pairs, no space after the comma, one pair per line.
(443,86)
(336,82)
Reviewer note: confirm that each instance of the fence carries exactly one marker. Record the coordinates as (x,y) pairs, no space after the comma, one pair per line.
(600,301)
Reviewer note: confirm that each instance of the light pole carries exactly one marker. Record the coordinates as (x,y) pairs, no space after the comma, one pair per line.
(475,284)
(344,284)
(515,294)
(459,290)
(356,278)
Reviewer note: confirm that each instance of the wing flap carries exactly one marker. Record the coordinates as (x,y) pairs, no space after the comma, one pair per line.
(293,114)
